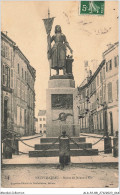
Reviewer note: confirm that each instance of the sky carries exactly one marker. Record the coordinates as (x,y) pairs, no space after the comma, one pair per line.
(88,35)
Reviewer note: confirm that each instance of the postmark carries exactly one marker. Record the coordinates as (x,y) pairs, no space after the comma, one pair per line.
(92,7)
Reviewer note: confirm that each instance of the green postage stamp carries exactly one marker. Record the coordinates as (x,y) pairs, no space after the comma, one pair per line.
(92,7)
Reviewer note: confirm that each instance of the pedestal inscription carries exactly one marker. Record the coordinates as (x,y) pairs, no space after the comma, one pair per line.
(62,101)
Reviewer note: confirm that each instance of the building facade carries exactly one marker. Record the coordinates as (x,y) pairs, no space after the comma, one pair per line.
(31,75)
(7,69)
(112,67)
(19,76)
(98,98)
(41,121)
(20,92)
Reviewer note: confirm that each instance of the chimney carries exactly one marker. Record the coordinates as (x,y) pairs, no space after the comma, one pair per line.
(90,73)
(109,45)
(86,68)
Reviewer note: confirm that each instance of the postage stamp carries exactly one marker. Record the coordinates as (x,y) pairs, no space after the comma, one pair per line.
(92,7)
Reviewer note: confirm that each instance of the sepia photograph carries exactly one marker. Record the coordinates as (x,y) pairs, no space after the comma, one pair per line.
(60,94)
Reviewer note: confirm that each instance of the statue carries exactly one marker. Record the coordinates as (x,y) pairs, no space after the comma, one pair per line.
(57,53)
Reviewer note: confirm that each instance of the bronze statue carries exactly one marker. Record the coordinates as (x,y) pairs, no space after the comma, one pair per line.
(57,53)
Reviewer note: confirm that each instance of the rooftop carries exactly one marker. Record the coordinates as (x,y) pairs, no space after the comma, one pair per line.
(110,47)
(7,38)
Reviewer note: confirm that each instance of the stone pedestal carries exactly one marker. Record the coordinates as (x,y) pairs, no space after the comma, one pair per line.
(60,97)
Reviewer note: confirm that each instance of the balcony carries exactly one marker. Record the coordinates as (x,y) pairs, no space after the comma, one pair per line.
(7,89)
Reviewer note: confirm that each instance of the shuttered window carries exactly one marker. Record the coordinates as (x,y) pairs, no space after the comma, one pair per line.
(3,49)
(104,92)
(118,60)
(103,73)
(3,74)
(18,88)
(98,80)
(101,76)
(101,96)
(25,75)
(115,61)
(106,66)
(117,87)
(22,72)
(109,92)
(26,94)
(22,117)
(18,68)
(11,79)
(110,65)
(6,75)
(22,91)
(18,115)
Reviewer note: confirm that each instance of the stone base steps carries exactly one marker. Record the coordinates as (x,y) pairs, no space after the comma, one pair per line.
(53,139)
(55,152)
(44,146)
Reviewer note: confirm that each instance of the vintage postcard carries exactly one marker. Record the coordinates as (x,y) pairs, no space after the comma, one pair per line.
(59,94)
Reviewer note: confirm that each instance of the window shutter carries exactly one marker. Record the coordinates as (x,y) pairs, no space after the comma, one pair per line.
(117,86)
(110,65)
(118,60)
(18,88)
(106,66)
(104,92)
(18,115)
(3,75)
(109,92)
(101,76)
(26,94)
(115,61)
(103,73)
(2,48)
(22,117)
(6,77)
(3,53)
(11,78)
(101,98)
